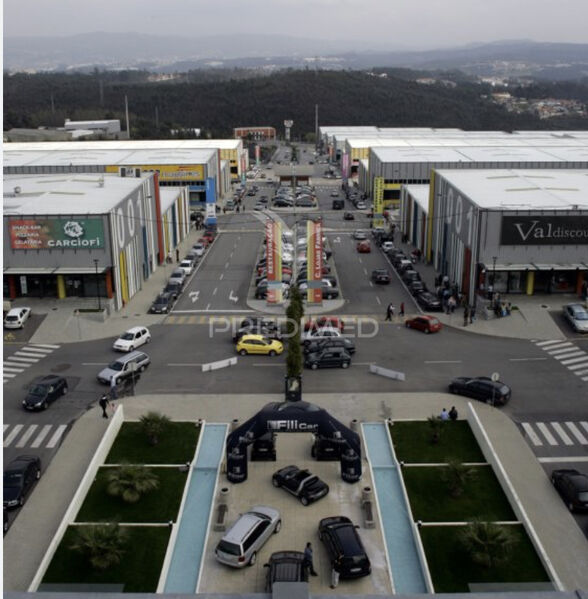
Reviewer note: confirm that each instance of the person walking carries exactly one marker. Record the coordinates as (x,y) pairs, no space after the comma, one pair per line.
(307,561)
(453,414)
(104,403)
(390,311)
(466,315)
(402,309)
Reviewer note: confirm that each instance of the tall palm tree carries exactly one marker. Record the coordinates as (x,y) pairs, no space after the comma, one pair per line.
(487,542)
(103,544)
(130,482)
(457,475)
(154,425)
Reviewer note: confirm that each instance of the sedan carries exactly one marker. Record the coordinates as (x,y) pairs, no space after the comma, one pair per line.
(321,344)
(364,247)
(187,266)
(577,316)
(283,203)
(258,344)
(481,388)
(199,249)
(132,339)
(46,391)
(426,324)
(178,275)
(307,487)
(415,287)
(19,477)
(325,321)
(573,488)
(330,357)
(314,334)
(348,216)
(359,235)
(428,301)
(380,276)
(260,206)
(269,333)
(16,318)
(163,303)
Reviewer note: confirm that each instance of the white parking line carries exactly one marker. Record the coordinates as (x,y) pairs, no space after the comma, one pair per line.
(221,276)
(526,359)
(215,290)
(13,434)
(47,345)
(532,434)
(27,360)
(584,358)
(572,354)
(41,436)
(28,434)
(94,363)
(560,431)
(378,300)
(56,436)
(550,438)
(186,364)
(576,432)
(442,361)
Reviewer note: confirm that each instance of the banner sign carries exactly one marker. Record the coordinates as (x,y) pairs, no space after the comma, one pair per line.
(56,233)
(273,237)
(167,172)
(314,264)
(544,230)
(345,167)
(378,202)
(210,201)
(257,154)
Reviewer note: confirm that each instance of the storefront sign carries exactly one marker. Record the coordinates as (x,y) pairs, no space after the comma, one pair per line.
(378,202)
(167,172)
(56,233)
(544,230)
(314,265)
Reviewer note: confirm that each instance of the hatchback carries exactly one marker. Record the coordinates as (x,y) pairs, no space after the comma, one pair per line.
(426,324)
(174,288)
(359,235)
(285,566)
(132,339)
(348,216)
(187,266)
(258,344)
(330,357)
(364,247)
(573,488)
(16,318)
(577,316)
(124,367)
(240,544)
(178,275)
(19,477)
(163,304)
(481,388)
(380,276)
(327,343)
(199,249)
(44,392)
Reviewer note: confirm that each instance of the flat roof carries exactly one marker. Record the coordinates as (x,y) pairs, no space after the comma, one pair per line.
(129,144)
(518,189)
(420,194)
(66,193)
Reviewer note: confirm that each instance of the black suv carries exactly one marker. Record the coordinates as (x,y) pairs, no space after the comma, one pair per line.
(331,357)
(344,547)
(327,343)
(285,566)
(19,477)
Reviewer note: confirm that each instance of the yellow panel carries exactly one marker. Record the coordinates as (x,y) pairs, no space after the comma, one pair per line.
(60,287)
(530,282)
(392,185)
(167,172)
(124,283)
(378,201)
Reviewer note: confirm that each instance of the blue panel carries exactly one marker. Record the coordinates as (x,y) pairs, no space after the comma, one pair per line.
(174,226)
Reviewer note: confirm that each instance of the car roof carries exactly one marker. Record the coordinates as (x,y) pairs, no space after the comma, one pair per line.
(250,337)
(48,378)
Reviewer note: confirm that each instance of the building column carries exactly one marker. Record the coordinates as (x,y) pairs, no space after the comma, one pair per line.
(11,287)
(530,282)
(60,287)
(579,282)
(109,292)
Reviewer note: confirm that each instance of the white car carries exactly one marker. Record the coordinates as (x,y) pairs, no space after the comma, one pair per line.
(322,333)
(186,266)
(16,318)
(132,339)
(387,245)
(199,249)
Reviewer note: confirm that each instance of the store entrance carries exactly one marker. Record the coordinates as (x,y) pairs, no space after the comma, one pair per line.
(74,286)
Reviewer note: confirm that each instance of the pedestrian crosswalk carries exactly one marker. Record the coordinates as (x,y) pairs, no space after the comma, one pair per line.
(33,436)
(24,357)
(235,321)
(556,433)
(568,354)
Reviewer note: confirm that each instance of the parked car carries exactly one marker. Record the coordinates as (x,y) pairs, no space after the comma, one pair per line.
(359,235)
(398,258)
(348,216)
(251,321)
(174,288)
(404,266)
(573,488)
(307,487)
(19,477)
(258,344)
(187,266)
(577,316)
(199,249)
(344,547)
(283,203)
(328,342)
(209,235)
(285,566)
(330,357)
(269,333)
(314,334)
(338,204)
(428,301)
(261,290)
(387,246)
(163,303)
(481,388)
(324,321)
(240,544)
(304,202)
(426,324)
(259,206)
(44,392)
(124,367)
(178,275)
(380,276)
(364,247)
(410,275)
(415,287)
(361,205)
(132,339)
(16,318)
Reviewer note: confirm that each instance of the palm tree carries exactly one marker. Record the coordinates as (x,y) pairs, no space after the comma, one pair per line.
(154,424)
(435,424)
(456,475)
(130,482)
(487,543)
(103,544)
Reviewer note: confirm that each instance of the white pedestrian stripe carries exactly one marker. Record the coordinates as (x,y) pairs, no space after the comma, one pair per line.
(48,345)
(564,433)
(13,434)
(584,425)
(568,354)
(41,436)
(573,353)
(56,436)
(532,434)
(557,427)
(27,360)
(548,436)
(9,375)
(578,356)
(556,349)
(25,357)
(543,343)
(33,436)
(576,432)
(576,366)
(583,360)
(27,435)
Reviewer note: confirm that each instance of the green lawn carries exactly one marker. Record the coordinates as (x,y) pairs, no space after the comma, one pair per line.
(452,569)
(430,501)
(412,442)
(139,569)
(176,446)
(161,505)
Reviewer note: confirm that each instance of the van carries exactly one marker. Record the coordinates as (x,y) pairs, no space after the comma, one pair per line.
(124,367)
(239,546)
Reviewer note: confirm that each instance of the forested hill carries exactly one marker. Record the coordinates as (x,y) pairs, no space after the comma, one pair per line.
(216,106)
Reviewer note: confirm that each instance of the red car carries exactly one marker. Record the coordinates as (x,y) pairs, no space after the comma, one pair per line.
(364,247)
(209,235)
(325,321)
(204,241)
(426,324)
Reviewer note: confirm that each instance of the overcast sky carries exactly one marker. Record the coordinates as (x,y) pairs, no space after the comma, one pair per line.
(400,23)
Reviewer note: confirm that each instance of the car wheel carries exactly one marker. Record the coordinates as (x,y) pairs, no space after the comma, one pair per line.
(314,366)
(131,348)
(304,500)
(148,340)
(253,559)
(45,405)
(38,474)
(407,325)
(65,390)
(570,506)
(278,527)
(21,501)
(345,365)
(452,389)
(426,331)
(272,353)
(275,482)
(142,368)
(243,352)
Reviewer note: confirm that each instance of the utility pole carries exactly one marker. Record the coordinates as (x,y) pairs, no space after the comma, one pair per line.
(127,117)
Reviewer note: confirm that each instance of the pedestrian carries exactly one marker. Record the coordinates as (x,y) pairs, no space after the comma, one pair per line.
(466,315)
(335,567)
(452,303)
(444,415)
(402,309)
(104,403)
(453,414)
(472,314)
(390,311)
(113,389)
(307,561)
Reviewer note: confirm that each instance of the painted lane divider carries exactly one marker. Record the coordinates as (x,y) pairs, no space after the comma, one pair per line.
(391,374)
(219,364)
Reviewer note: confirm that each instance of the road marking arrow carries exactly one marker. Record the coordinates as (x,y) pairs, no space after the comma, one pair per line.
(233,298)
(337,239)
(194,295)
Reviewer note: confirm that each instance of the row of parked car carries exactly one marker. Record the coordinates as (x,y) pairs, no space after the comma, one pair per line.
(301,197)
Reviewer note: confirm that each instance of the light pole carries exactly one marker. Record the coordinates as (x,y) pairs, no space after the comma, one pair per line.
(493,274)
(97,284)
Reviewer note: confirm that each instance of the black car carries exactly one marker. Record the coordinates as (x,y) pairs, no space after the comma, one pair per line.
(328,342)
(19,477)
(174,288)
(428,301)
(411,275)
(253,321)
(331,357)
(44,392)
(304,203)
(416,287)
(380,276)
(283,203)
(345,549)
(338,204)
(285,566)
(573,488)
(163,303)
(264,448)
(301,483)
(348,216)
(481,388)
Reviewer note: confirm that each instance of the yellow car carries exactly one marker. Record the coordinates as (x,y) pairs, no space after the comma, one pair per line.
(258,344)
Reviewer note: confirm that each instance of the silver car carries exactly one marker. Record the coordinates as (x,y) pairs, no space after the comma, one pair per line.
(577,316)
(239,546)
(124,367)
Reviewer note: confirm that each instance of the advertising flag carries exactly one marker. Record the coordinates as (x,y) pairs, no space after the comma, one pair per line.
(378,202)
(314,264)
(273,236)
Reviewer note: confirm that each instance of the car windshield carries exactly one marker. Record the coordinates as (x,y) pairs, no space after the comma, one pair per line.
(115,366)
(581,315)
(433,321)
(39,390)
(13,478)
(127,336)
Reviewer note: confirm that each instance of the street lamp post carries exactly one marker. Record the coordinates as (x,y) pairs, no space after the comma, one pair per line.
(97,284)
(493,274)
